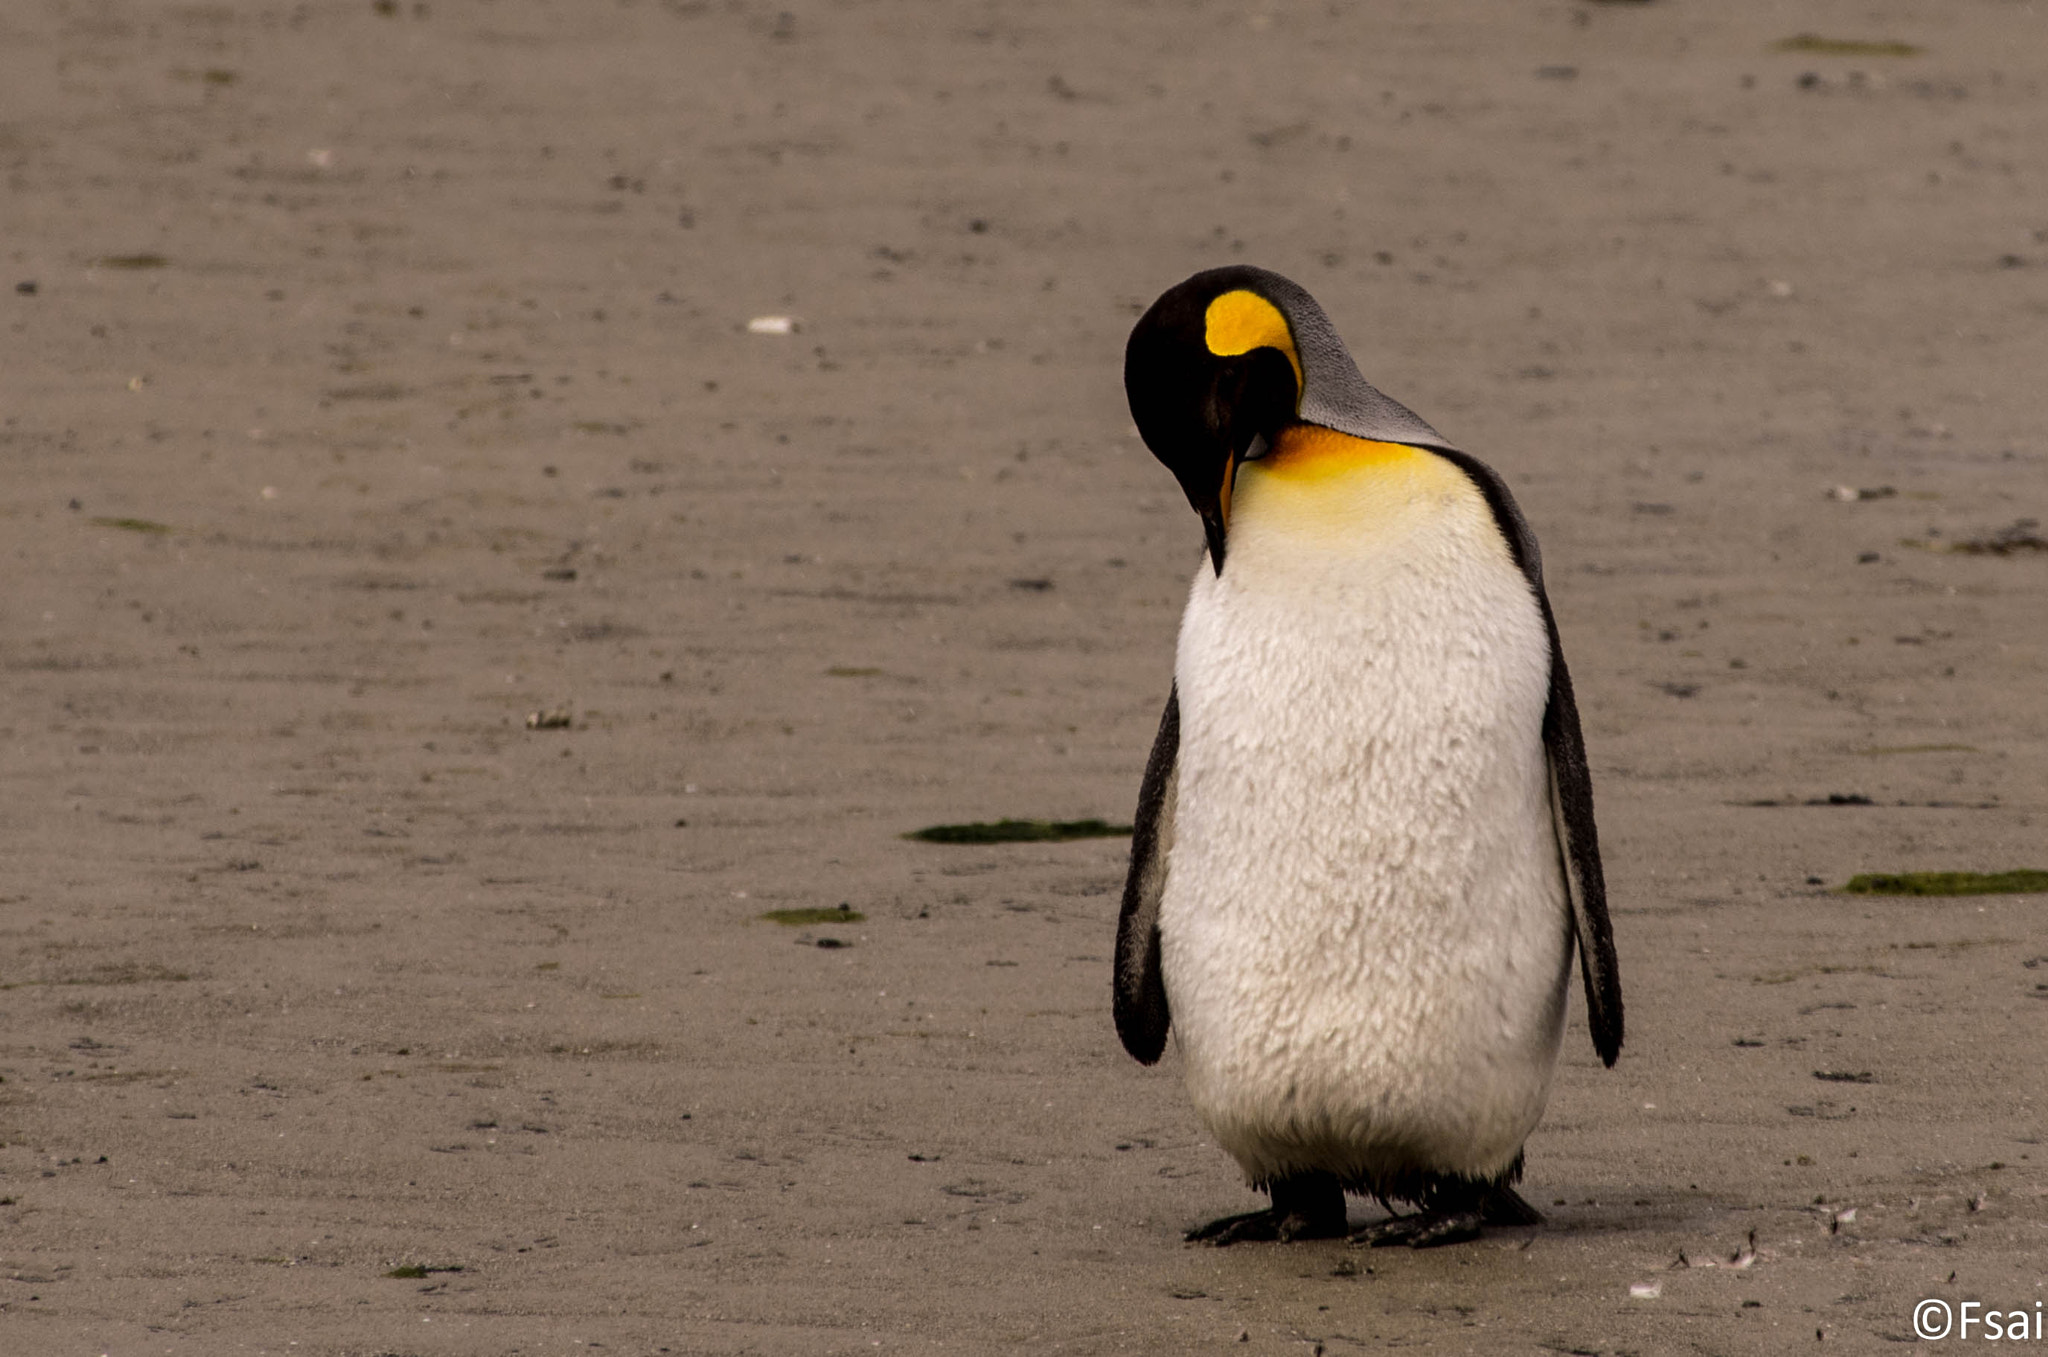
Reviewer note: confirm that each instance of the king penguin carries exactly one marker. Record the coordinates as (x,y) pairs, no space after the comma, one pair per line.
(1364,849)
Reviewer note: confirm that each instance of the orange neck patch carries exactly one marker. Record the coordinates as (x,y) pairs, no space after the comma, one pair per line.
(1318,486)
(1311,452)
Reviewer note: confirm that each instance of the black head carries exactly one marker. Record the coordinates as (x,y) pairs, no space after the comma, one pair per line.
(1213,372)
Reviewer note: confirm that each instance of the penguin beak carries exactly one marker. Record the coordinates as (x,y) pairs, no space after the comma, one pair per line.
(1216,517)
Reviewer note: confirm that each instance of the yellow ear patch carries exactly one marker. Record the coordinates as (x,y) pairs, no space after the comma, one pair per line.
(1240,321)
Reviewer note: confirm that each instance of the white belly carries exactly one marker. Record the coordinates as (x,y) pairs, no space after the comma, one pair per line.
(1365,933)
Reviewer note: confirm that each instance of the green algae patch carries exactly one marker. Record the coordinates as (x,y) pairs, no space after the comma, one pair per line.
(1020,831)
(127,973)
(806,918)
(416,1271)
(132,525)
(1947,883)
(132,261)
(1847,47)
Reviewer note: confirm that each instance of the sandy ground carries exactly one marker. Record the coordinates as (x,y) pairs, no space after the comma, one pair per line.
(355,329)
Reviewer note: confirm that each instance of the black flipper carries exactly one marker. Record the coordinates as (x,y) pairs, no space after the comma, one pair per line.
(1571,785)
(1578,844)
(1140,1001)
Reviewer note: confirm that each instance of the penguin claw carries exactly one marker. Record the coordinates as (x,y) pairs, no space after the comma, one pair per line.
(1453,1221)
(1251,1227)
(1262,1227)
(1427,1231)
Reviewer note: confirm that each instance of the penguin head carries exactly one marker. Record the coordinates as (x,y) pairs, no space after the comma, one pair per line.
(1213,374)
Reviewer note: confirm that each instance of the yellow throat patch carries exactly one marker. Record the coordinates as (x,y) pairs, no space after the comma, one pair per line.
(1240,321)
(1327,486)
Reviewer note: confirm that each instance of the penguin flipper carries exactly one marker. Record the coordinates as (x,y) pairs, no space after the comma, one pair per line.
(1140,999)
(1578,845)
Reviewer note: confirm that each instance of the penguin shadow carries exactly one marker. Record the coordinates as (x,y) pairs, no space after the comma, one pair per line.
(1581,1210)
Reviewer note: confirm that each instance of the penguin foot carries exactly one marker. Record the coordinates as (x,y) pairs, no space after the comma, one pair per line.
(1453,1220)
(1425,1231)
(1251,1227)
(1307,1206)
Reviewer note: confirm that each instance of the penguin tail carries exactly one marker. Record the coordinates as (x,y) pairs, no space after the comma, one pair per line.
(1504,1206)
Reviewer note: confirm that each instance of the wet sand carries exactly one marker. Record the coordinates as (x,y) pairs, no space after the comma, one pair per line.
(379,377)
